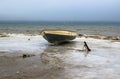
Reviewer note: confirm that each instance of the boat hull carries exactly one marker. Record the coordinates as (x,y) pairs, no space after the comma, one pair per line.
(53,38)
(58,38)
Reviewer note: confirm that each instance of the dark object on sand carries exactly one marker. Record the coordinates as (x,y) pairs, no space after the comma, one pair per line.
(86,46)
(80,35)
(58,36)
(87,49)
(27,55)
(29,39)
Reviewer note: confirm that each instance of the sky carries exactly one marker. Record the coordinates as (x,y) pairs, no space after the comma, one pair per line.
(60,10)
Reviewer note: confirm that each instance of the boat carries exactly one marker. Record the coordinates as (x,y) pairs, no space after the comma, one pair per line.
(58,36)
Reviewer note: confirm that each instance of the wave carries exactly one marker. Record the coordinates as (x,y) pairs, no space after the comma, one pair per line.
(16,35)
(96,36)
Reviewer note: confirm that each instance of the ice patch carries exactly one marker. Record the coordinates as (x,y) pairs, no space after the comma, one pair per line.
(26,44)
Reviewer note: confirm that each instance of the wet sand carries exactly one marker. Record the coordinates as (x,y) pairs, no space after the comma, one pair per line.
(58,62)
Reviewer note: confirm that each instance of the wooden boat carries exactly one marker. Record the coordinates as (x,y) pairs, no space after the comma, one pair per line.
(58,36)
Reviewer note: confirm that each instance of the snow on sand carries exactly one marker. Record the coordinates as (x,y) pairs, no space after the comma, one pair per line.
(57,61)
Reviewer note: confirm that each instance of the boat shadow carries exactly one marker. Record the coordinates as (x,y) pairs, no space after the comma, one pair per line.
(66,43)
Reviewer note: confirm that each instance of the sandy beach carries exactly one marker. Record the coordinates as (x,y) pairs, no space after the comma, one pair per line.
(58,62)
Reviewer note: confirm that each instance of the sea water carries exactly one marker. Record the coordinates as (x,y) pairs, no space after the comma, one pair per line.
(101,28)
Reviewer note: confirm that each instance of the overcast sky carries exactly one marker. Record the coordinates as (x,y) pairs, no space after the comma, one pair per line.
(60,10)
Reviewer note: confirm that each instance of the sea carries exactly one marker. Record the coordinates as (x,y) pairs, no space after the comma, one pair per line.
(34,27)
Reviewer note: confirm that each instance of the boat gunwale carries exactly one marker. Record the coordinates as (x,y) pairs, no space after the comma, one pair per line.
(75,34)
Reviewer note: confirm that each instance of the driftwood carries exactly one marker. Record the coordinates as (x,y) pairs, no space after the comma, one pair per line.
(86,46)
(87,49)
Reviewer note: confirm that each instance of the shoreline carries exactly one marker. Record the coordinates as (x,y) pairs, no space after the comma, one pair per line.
(95,36)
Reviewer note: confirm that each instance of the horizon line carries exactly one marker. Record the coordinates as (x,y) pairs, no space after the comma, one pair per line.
(51,21)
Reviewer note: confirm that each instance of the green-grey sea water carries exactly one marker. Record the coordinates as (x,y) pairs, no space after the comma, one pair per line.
(99,28)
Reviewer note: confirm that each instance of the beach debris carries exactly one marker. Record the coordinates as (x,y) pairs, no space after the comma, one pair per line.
(80,35)
(29,39)
(86,46)
(87,49)
(27,55)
